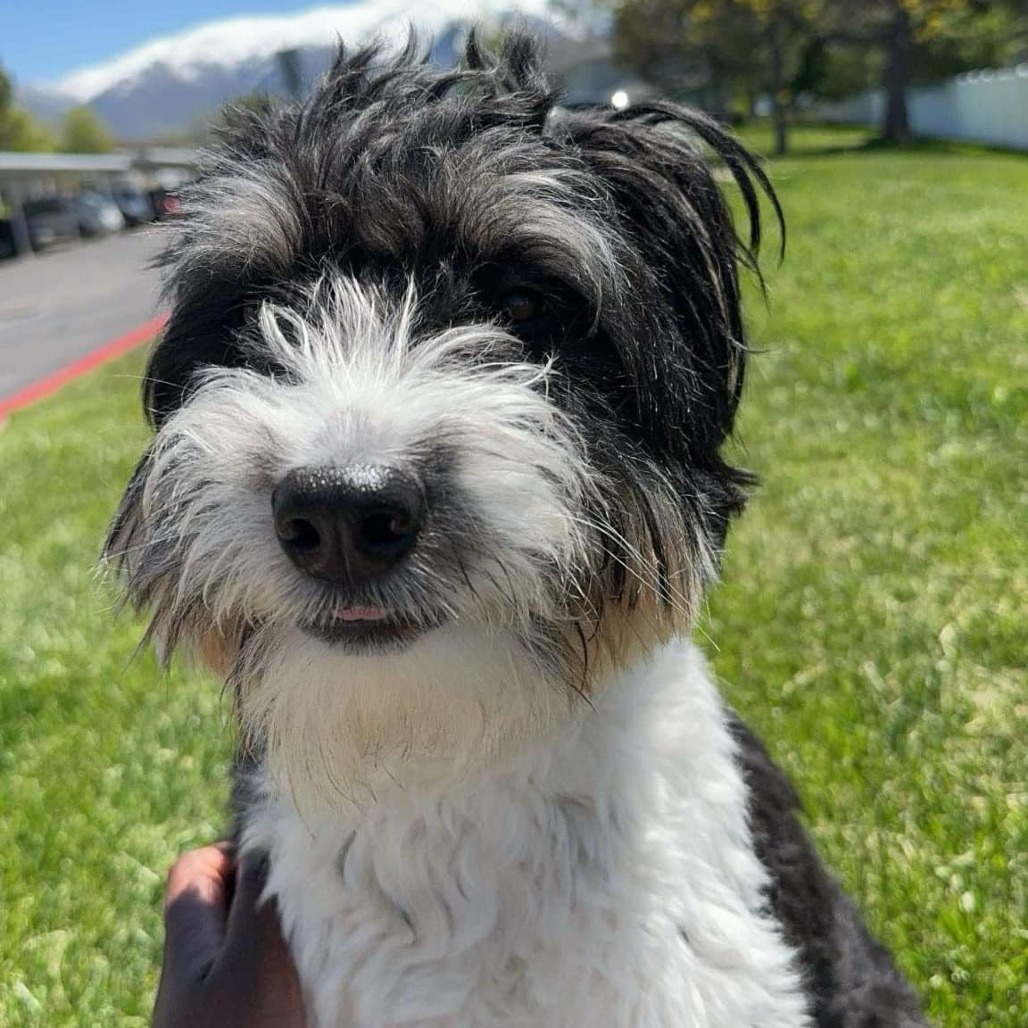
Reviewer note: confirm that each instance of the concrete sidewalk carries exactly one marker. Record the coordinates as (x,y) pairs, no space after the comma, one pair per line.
(57,307)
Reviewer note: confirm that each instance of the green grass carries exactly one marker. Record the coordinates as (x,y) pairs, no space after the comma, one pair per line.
(871,625)
(806,140)
(872,620)
(107,767)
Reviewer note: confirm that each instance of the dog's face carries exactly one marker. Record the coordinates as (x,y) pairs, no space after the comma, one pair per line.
(439,407)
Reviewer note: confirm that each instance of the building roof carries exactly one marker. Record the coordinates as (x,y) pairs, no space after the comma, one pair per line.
(75,162)
(92,163)
(166,156)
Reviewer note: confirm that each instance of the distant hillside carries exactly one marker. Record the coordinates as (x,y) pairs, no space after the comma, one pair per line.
(173,84)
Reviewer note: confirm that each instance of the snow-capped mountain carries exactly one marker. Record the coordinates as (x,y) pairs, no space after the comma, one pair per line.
(171,84)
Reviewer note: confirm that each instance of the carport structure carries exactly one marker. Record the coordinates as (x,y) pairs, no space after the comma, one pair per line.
(24,175)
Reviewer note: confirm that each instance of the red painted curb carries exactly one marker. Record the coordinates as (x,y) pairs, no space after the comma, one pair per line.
(49,385)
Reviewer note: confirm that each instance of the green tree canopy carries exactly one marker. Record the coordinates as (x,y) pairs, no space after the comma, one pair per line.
(21,132)
(18,129)
(923,39)
(6,92)
(82,131)
(732,46)
(822,47)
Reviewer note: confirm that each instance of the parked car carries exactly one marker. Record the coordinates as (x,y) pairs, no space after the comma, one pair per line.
(97,215)
(7,247)
(136,207)
(165,204)
(51,220)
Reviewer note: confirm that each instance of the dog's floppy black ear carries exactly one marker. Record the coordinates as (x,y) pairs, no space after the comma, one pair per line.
(125,533)
(662,163)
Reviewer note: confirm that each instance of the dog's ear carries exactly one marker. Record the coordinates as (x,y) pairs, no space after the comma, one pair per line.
(125,533)
(662,164)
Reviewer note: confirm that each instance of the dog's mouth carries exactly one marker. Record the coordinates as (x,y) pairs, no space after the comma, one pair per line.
(367,629)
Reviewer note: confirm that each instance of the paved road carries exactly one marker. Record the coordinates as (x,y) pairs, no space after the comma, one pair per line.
(59,306)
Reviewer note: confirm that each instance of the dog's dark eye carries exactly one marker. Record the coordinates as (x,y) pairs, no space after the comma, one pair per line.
(522,306)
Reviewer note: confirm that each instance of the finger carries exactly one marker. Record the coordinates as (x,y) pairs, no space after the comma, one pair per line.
(196,911)
(245,917)
(253,937)
(207,870)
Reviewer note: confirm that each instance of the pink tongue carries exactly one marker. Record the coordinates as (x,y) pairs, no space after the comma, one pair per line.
(360,614)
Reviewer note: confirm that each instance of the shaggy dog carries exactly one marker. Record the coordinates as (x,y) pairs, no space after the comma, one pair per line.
(436,485)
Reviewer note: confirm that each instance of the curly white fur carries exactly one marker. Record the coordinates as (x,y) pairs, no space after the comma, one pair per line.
(604,877)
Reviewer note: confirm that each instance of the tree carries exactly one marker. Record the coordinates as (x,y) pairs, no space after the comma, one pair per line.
(949,35)
(82,131)
(706,53)
(821,47)
(18,129)
(752,45)
(788,28)
(6,92)
(21,132)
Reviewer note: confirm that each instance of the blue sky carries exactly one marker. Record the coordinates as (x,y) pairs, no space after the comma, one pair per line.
(43,39)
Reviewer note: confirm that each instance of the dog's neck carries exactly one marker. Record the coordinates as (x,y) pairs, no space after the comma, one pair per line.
(617,835)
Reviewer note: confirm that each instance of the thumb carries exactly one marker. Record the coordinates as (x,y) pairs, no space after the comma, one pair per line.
(195,912)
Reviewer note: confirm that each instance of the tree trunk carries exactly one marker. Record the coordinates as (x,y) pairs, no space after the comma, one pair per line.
(715,95)
(896,78)
(778,87)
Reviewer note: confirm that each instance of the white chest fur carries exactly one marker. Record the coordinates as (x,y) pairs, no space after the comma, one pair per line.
(608,879)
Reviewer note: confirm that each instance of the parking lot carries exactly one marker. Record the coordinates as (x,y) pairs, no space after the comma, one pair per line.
(59,306)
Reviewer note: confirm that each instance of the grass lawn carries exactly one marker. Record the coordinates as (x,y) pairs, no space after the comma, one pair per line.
(872,623)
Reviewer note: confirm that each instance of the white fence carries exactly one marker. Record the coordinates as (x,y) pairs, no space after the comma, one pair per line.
(980,107)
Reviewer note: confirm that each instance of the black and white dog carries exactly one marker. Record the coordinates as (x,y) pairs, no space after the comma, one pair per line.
(437,485)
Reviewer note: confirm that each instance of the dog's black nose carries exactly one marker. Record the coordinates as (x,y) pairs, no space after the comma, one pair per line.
(348,525)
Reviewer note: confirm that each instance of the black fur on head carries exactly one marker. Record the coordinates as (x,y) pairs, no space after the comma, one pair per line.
(600,239)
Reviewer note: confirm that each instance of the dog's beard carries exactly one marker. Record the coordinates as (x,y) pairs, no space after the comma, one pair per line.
(330,726)
(507,592)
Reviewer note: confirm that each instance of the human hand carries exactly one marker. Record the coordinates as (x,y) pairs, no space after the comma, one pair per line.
(225,962)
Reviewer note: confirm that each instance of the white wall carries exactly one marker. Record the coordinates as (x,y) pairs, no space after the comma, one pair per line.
(980,107)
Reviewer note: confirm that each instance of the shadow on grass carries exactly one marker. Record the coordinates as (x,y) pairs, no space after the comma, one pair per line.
(928,145)
(810,139)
